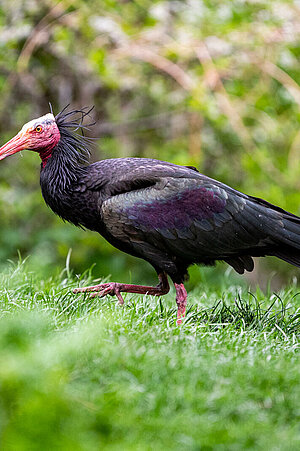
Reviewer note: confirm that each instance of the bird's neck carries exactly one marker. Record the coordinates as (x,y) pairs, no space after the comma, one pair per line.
(58,170)
(45,155)
(59,177)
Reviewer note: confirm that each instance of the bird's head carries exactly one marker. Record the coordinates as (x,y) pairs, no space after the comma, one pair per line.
(39,135)
(43,134)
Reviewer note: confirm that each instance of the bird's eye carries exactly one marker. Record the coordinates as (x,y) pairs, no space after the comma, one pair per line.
(39,128)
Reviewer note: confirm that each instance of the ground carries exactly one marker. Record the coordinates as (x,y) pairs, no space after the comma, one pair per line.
(87,374)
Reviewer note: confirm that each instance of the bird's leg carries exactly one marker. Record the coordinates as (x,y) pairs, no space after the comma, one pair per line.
(181,296)
(115,288)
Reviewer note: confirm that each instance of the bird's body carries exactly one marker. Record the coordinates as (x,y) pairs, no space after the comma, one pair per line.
(171,216)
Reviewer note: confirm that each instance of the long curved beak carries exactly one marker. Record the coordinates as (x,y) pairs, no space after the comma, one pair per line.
(16,144)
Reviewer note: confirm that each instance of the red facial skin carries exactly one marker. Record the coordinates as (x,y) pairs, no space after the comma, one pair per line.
(40,135)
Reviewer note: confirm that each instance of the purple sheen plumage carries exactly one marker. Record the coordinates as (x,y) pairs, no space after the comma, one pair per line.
(177,210)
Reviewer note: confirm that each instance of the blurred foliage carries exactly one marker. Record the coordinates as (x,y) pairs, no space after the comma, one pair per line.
(207,83)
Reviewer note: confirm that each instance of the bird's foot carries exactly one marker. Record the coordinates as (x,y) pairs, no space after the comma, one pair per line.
(115,288)
(181,296)
(103,289)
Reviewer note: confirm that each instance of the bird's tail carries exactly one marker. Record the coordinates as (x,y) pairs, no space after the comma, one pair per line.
(288,255)
(284,231)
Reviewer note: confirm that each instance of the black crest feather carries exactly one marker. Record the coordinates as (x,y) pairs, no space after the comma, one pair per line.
(75,145)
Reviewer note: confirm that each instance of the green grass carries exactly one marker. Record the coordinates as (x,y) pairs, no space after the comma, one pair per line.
(86,374)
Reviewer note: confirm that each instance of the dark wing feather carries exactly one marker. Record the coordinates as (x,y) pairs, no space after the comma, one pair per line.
(194,220)
(124,173)
(160,208)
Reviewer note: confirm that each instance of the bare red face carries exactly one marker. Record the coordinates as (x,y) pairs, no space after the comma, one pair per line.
(40,135)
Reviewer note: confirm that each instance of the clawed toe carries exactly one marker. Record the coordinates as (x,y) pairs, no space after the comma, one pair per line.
(102,290)
(96,288)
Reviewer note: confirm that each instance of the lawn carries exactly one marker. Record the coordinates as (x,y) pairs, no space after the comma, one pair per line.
(86,374)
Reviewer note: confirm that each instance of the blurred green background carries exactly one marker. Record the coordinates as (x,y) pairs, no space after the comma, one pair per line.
(213,84)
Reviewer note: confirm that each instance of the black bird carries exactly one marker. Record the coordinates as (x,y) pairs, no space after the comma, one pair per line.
(171,216)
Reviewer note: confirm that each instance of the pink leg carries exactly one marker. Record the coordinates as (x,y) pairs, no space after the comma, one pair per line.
(115,288)
(181,296)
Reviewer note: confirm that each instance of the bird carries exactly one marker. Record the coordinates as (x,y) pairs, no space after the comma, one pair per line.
(169,215)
